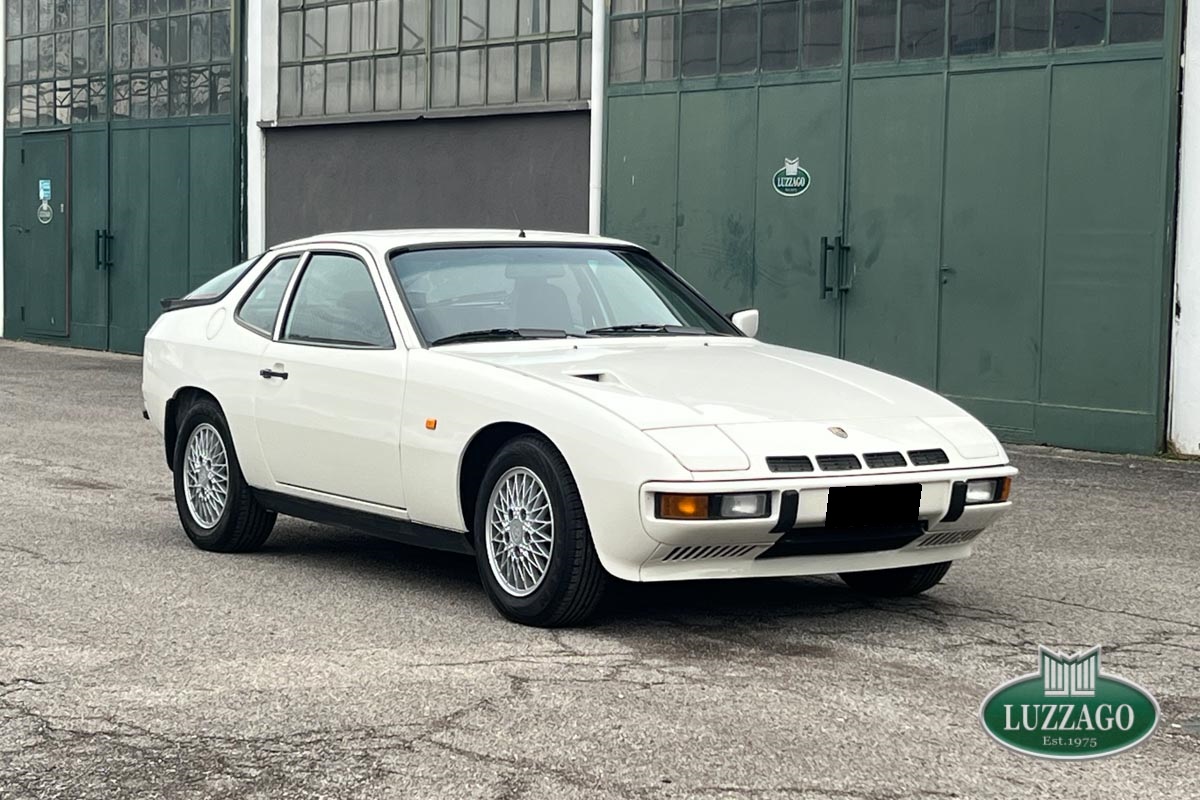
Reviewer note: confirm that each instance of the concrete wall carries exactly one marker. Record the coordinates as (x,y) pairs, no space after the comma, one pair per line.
(1183,430)
(464,171)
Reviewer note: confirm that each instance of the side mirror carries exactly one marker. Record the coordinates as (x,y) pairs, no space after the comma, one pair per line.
(746,321)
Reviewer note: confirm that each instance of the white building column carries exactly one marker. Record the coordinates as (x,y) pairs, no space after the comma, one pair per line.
(262,103)
(1183,431)
(4,225)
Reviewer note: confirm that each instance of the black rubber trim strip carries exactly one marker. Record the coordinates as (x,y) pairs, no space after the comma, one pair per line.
(833,541)
(789,504)
(958,501)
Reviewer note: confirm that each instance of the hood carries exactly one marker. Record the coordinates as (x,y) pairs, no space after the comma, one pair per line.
(754,391)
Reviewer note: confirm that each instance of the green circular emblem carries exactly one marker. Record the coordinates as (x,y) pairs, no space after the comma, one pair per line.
(791,179)
(1069,710)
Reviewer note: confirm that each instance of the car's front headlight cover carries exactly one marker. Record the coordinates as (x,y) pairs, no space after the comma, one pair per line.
(733,505)
(988,490)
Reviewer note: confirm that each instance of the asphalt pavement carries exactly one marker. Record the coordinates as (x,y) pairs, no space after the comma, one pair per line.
(331,664)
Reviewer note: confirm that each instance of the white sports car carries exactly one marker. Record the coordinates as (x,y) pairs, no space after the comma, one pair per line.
(564,407)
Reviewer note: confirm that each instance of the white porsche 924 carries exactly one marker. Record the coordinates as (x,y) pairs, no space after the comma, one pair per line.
(564,407)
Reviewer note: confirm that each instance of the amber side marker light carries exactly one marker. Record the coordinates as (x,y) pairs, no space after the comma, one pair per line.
(1003,489)
(683,506)
(431,424)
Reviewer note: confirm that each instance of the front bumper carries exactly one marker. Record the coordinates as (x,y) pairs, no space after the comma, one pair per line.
(736,548)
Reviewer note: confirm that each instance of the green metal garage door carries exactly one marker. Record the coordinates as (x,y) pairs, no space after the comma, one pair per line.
(120,119)
(973,195)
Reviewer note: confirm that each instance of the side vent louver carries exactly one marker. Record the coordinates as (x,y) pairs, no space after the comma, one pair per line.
(790,464)
(926,458)
(881,460)
(710,551)
(839,463)
(948,537)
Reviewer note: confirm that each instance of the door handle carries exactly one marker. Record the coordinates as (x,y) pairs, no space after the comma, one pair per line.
(103,249)
(825,248)
(844,282)
(99,249)
(270,373)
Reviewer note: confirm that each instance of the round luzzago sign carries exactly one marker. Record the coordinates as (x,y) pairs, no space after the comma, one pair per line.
(1069,710)
(791,179)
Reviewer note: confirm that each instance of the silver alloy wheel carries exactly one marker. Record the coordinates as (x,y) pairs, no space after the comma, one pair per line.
(205,475)
(520,531)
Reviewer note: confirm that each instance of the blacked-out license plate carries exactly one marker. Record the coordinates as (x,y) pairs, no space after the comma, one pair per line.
(861,506)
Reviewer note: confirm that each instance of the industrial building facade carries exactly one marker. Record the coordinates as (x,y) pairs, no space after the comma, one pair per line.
(978,196)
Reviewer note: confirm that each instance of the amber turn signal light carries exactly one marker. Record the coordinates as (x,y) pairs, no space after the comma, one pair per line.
(683,506)
(1002,489)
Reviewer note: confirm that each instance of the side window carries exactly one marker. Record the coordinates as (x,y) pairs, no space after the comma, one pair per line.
(336,303)
(261,306)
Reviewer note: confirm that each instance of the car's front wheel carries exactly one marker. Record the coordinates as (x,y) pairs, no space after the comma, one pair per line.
(898,582)
(532,543)
(216,506)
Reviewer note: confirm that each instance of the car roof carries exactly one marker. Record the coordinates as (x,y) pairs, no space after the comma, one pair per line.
(385,240)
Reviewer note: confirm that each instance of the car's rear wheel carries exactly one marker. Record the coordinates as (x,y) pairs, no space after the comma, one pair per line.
(532,543)
(898,582)
(216,506)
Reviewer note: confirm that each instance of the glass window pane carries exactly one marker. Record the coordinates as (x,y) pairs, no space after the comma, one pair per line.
(314,32)
(337,30)
(531,72)
(260,309)
(178,36)
(387,27)
(222,78)
(120,98)
(79,19)
(96,49)
(502,75)
(585,16)
(97,99)
(444,20)
(562,15)
(415,28)
(413,72)
(822,33)
(360,85)
(28,105)
(139,44)
(313,98)
(289,92)
(780,47)
(1136,21)
(444,79)
(876,26)
(563,66)
(159,8)
(219,23)
(29,57)
(12,27)
(178,90)
(46,51)
(337,87)
(474,20)
(739,39)
(12,107)
(1078,22)
(662,48)
(625,51)
(201,92)
(699,44)
(289,36)
(120,9)
(12,62)
(1024,25)
(198,41)
(198,5)
(922,28)
(62,54)
(96,11)
(336,303)
(29,23)
(79,101)
(972,27)
(502,19)
(627,6)
(531,16)
(361,34)
(471,78)
(139,103)
(79,50)
(387,84)
(158,42)
(137,8)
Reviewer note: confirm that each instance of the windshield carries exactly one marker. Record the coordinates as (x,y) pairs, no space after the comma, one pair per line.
(546,292)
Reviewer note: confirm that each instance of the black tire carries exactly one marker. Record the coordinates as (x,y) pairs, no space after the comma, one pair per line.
(899,582)
(574,581)
(243,524)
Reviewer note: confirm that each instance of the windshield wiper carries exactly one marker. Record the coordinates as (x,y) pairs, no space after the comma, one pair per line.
(649,327)
(497,334)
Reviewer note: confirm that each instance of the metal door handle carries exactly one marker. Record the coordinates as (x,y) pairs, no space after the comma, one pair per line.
(103,249)
(844,283)
(825,248)
(270,373)
(99,244)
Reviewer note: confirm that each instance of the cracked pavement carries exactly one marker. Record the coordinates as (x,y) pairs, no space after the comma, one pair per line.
(335,665)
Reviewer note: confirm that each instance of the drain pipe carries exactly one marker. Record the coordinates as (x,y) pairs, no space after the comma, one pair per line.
(596,143)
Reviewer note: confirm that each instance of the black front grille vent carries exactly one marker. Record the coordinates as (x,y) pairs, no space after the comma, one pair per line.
(881,460)
(790,464)
(839,463)
(927,458)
